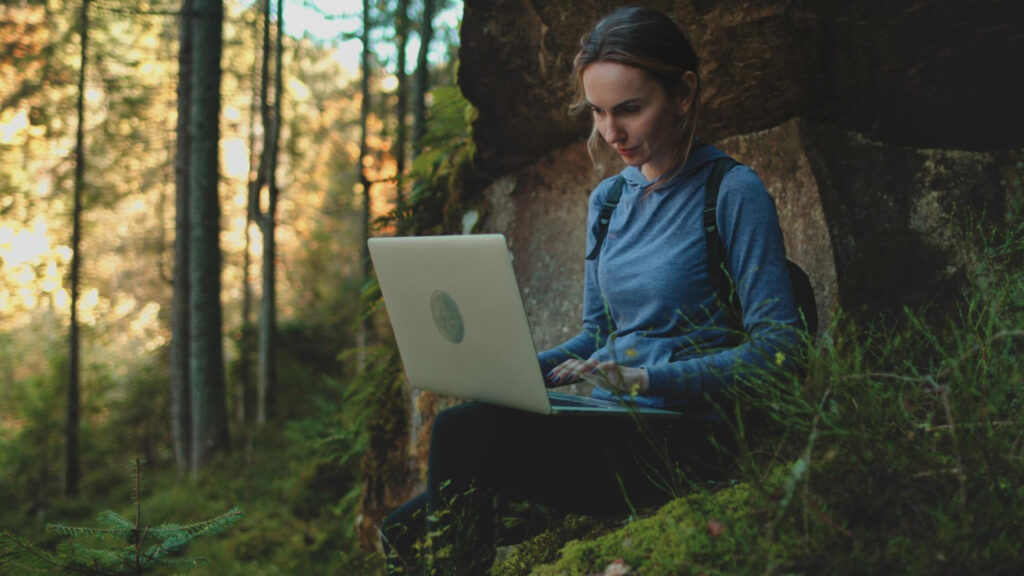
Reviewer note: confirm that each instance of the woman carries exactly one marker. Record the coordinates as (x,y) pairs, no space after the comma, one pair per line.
(656,330)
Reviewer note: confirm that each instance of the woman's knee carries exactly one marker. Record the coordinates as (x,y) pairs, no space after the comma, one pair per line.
(463,424)
(463,449)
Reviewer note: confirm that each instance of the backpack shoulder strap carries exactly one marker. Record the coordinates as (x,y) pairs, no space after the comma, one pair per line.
(610,202)
(803,291)
(711,187)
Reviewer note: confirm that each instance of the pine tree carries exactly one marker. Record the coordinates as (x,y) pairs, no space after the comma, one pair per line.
(141,549)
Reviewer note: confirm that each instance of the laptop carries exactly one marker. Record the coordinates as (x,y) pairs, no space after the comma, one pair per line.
(460,325)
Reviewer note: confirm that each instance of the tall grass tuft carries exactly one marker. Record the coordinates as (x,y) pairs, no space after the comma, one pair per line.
(901,451)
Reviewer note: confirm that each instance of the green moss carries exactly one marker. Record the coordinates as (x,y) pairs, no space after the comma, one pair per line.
(545,547)
(728,531)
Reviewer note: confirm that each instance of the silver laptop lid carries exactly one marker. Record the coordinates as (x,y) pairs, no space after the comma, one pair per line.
(458,318)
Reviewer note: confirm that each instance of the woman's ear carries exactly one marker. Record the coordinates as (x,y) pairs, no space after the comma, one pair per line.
(687,92)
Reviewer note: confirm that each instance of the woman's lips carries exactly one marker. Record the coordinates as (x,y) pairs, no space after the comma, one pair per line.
(625,152)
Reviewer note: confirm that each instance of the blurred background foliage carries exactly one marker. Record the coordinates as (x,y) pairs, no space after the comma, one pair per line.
(298,476)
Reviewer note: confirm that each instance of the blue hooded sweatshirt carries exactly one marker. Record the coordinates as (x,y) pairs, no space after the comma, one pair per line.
(648,298)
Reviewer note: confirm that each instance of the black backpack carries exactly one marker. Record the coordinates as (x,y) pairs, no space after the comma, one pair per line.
(803,292)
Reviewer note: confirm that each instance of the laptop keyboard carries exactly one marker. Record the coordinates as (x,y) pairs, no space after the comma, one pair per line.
(560,399)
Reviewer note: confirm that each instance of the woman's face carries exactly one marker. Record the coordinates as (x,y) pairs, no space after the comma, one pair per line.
(634,114)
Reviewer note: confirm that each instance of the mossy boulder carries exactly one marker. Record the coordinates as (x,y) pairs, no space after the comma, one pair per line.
(731,530)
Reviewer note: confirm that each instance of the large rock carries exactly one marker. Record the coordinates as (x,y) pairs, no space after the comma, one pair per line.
(940,74)
(904,222)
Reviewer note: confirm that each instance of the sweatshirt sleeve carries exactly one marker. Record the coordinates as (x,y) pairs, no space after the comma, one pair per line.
(756,260)
(597,324)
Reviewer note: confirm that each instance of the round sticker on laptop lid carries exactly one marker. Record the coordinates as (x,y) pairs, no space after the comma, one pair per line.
(447,317)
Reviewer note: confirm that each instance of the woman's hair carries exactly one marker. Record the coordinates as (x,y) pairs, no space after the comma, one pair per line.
(649,40)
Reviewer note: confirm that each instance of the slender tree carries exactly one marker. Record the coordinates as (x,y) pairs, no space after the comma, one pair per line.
(366,326)
(266,175)
(181,413)
(268,305)
(402,107)
(244,375)
(209,411)
(419,102)
(71,425)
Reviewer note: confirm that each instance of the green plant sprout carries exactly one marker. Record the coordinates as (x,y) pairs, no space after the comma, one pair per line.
(146,548)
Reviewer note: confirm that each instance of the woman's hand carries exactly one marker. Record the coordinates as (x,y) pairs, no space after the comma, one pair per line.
(608,375)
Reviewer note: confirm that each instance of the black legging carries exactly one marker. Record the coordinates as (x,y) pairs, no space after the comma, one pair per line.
(587,464)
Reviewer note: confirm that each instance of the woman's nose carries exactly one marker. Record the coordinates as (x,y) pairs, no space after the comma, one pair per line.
(611,131)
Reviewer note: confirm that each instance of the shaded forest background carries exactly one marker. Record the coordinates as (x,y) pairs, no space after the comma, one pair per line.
(190,291)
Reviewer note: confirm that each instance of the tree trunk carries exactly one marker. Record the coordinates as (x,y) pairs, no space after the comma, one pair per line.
(257,183)
(402,109)
(266,174)
(366,326)
(419,102)
(246,348)
(71,424)
(209,412)
(268,305)
(181,412)
(244,374)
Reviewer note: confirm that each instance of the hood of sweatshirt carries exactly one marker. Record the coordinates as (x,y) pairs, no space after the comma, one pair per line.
(701,154)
